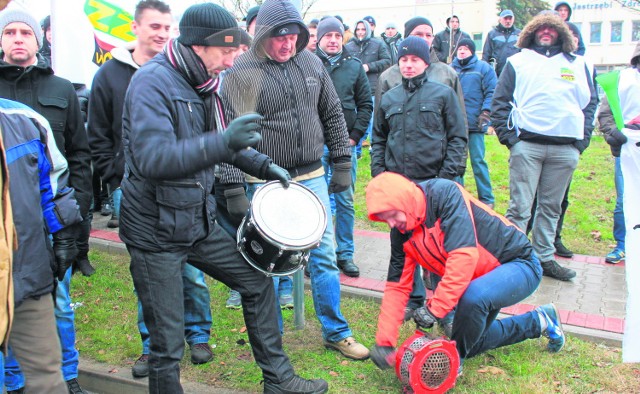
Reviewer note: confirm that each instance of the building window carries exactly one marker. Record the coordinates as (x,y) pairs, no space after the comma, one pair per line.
(596,30)
(477,39)
(635,31)
(616,31)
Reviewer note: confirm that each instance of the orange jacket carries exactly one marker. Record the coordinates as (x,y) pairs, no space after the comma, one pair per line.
(449,233)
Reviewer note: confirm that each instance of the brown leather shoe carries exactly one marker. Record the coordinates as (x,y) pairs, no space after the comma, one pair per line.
(349,348)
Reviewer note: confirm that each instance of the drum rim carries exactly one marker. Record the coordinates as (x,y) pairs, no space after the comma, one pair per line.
(279,243)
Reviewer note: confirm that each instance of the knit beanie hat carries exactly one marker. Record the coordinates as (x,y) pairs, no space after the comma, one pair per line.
(329,25)
(415,22)
(209,24)
(467,42)
(251,14)
(414,46)
(18,15)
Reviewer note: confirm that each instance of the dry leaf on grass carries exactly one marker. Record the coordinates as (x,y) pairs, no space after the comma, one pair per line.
(492,370)
(243,329)
(344,362)
(113,370)
(334,373)
(595,234)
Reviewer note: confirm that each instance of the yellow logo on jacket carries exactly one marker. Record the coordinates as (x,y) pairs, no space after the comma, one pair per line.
(567,74)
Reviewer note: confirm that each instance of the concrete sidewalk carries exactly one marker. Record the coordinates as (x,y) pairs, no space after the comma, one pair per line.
(592,305)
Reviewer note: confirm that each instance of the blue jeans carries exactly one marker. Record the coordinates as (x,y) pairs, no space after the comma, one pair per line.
(197,310)
(157,277)
(345,215)
(619,230)
(116,197)
(367,133)
(480,168)
(475,328)
(325,275)
(14,379)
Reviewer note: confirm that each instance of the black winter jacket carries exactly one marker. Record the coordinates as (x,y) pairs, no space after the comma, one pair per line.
(499,45)
(168,185)
(420,134)
(441,43)
(352,86)
(55,99)
(105,120)
(374,53)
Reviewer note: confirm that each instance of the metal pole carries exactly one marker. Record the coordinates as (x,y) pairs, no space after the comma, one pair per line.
(298,299)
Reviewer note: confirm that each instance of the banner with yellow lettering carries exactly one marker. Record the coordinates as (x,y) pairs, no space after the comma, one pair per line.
(84,32)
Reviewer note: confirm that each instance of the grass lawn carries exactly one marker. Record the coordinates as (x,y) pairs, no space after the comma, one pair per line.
(589,219)
(107,332)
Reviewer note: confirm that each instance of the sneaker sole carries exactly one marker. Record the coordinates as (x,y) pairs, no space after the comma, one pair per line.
(330,346)
(234,307)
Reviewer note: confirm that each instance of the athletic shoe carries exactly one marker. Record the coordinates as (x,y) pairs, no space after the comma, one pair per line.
(554,327)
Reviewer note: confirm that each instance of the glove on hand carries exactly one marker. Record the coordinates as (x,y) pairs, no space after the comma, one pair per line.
(615,139)
(277,173)
(483,119)
(65,250)
(423,318)
(237,203)
(242,132)
(384,357)
(341,177)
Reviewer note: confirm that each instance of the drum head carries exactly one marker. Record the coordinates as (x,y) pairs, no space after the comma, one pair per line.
(294,217)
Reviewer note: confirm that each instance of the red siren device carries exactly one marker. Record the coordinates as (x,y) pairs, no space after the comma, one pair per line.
(427,365)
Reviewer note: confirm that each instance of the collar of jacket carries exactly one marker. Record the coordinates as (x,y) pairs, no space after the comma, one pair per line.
(412,84)
(503,29)
(41,66)
(552,51)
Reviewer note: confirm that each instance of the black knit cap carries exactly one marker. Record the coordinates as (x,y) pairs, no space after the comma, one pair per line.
(251,14)
(209,24)
(415,22)
(414,46)
(467,42)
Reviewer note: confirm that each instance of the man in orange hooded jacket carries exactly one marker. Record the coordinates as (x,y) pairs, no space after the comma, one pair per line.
(486,263)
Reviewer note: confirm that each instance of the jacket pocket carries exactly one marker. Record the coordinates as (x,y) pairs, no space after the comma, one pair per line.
(180,210)
(54,109)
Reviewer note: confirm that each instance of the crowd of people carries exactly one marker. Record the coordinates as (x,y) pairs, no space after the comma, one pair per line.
(178,132)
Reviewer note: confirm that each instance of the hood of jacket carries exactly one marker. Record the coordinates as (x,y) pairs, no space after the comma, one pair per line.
(527,37)
(558,4)
(124,54)
(390,191)
(635,58)
(272,15)
(367,35)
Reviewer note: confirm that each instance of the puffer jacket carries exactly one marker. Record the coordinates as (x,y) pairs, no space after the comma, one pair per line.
(168,201)
(55,99)
(499,45)
(39,178)
(352,86)
(478,82)
(301,109)
(105,120)
(449,233)
(441,43)
(371,51)
(419,132)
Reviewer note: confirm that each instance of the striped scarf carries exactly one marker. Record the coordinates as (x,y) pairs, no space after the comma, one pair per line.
(191,67)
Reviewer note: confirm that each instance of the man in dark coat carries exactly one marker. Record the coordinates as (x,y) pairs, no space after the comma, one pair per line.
(173,135)
(501,42)
(446,42)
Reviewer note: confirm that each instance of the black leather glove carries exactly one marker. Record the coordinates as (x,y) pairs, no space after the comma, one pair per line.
(384,357)
(424,318)
(237,202)
(277,173)
(341,177)
(615,139)
(483,119)
(242,132)
(65,250)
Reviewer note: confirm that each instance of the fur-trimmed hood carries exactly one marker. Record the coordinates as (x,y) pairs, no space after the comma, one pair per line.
(565,38)
(635,58)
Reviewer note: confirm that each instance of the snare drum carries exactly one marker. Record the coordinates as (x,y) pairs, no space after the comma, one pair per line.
(281,227)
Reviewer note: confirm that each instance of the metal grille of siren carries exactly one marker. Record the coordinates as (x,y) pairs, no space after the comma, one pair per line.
(408,355)
(436,369)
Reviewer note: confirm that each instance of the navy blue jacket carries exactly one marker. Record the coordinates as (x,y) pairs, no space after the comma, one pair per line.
(478,82)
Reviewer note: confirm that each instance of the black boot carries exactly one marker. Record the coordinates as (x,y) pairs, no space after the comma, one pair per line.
(554,270)
(349,268)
